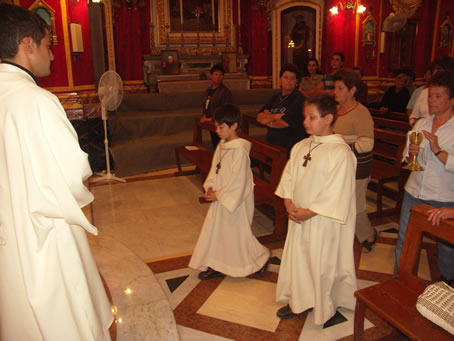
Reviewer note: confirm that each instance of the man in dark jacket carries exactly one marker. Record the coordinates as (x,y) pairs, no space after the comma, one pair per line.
(215,96)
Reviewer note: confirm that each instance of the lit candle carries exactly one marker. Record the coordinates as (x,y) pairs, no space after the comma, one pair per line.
(181,12)
(212,11)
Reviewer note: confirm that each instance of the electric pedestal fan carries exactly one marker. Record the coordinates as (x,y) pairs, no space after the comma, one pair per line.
(110,92)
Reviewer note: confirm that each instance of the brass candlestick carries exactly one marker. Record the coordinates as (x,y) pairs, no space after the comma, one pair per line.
(415,138)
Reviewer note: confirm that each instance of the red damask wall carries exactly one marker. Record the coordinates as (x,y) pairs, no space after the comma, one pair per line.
(73,72)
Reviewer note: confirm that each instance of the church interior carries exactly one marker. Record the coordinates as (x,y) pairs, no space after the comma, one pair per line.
(150,218)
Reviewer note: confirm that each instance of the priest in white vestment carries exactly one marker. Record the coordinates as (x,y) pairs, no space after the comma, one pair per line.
(226,242)
(50,288)
(317,269)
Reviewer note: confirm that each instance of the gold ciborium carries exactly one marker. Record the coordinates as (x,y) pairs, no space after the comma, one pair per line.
(415,138)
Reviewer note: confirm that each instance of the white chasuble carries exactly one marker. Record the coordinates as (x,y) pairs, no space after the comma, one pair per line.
(226,243)
(50,288)
(317,269)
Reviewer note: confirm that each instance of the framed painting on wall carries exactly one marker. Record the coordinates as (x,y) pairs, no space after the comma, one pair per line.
(170,62)
(446,32)
(193,15)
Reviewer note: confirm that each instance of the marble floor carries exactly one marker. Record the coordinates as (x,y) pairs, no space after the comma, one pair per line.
(148,228)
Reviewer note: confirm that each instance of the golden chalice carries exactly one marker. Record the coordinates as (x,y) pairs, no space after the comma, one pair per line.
(415,138)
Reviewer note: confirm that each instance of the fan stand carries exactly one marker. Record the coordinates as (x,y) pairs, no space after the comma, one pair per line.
(107,175)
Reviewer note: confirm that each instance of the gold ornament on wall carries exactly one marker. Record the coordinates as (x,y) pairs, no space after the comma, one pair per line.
(446,32)
(405,7)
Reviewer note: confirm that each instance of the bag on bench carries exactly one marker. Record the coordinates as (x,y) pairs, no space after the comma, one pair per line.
(436,304)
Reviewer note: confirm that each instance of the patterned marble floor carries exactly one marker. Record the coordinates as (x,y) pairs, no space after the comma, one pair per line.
(157,220)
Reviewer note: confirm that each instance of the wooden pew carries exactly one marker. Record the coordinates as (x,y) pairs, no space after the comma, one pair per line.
(392,125)
(395,300)
(398,116)
(273,157)
(386,167)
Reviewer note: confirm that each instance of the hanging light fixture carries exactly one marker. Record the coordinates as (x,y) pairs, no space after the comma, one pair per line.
(349,5)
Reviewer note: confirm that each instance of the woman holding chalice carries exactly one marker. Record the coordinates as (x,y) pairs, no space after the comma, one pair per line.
(434,185)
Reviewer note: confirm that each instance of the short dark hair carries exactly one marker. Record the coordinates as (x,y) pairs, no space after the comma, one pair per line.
(444,63)
(17,23)
(410,74)
(325,105)
(359,69)
(350,78)
(217,67)
(444,79)
(290,68)
(340,54)
(228,114)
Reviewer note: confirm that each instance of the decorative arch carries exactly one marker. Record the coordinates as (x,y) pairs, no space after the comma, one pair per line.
(277,35)
(46,12)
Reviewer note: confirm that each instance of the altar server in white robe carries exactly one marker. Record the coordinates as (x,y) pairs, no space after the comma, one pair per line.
(318,187)
(50,288)
(226,245)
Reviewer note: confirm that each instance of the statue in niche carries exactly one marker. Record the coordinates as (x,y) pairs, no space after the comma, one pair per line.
(446,32)
(300,34)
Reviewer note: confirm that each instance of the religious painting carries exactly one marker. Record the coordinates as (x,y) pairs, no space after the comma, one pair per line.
(169,62)
(229,62)
(46,12)
(446,33)
(369,29)
(193,15)
(298,36)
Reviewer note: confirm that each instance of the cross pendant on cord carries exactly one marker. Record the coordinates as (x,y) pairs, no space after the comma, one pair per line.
(218,167)
(307,158)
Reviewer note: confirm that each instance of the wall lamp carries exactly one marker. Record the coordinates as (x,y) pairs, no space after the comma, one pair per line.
(350,5)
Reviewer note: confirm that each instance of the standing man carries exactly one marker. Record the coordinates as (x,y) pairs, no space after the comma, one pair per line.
(50,288)
(215,96)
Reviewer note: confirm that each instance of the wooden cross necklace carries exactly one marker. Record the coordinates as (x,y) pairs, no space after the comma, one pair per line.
(308,157)
(218,166)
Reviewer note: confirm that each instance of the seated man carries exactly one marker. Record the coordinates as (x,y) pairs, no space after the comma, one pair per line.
(417,92)
(283,113)
(396,97)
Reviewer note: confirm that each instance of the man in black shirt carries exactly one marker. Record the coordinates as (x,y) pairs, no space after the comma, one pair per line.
(283,114)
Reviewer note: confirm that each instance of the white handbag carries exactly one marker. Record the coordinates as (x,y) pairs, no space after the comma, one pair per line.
(436,304)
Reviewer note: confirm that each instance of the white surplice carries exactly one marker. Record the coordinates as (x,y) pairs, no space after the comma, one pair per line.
(226,243)
(50,288)
(317,269)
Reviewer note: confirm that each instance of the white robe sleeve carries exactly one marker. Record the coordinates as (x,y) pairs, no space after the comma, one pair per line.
(55,167)
(239,184)
(211,177)
(335,197)
(285,188)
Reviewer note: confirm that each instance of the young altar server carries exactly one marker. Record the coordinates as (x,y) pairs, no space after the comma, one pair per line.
(318,187)
(226,245)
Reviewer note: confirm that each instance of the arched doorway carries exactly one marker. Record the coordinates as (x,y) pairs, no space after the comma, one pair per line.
(297,32)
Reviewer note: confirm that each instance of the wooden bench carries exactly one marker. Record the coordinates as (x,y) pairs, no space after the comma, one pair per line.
(398,116)
(395,300)
(392,125)
(386,168)
(273,157)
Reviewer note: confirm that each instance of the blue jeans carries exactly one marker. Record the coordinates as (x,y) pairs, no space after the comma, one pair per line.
(445,250)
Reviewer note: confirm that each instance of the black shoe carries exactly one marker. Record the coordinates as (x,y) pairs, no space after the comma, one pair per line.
(285,313)
(209,274)
(368,245)
(263,269)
